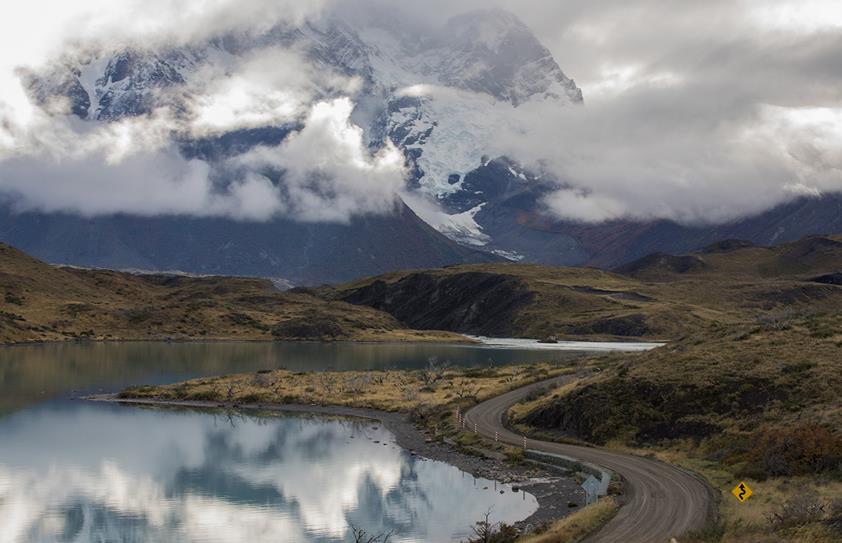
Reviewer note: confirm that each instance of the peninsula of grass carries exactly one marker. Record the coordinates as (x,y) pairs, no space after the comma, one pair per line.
(388,390)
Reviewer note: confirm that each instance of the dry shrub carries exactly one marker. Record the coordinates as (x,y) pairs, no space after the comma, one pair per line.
(801,450)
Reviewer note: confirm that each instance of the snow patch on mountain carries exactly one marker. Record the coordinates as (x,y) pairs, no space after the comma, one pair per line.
(460,227)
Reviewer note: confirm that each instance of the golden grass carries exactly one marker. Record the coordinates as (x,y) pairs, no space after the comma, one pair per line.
(575,527)
(768,495)
(386,390)
(517,411)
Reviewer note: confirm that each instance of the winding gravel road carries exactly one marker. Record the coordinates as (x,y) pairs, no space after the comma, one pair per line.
(660,501)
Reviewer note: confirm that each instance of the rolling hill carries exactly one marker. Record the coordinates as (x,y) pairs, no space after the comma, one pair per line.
(47,303)
(658,297)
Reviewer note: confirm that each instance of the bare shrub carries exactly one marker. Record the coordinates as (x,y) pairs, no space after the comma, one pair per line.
(465,390)
(410,393)
(800,510)
(231,392)
(433,373)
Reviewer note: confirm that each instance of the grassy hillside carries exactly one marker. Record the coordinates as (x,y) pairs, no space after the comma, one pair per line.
(39,302)
(802,259)
(659,297)
(759,402)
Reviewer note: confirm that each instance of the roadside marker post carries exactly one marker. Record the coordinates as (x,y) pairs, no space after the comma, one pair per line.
(496,440)
(475,427)
(524,443)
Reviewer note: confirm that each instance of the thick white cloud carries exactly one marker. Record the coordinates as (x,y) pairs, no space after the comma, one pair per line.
(39,31)
(643,157)
(329,175)
(698,111)
(267,87)
(54,162)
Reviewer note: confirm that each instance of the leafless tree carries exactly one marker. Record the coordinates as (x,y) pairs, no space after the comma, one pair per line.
(433,373)
(361,536)
(233,388)
(464,390)
(486,531)
(328,383)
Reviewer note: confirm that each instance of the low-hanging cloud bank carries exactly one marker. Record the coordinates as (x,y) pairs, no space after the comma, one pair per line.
(643,157)
(52,161)
(328,175)
(695,111)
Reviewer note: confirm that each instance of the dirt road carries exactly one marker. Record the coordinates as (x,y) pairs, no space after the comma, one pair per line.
(660,501)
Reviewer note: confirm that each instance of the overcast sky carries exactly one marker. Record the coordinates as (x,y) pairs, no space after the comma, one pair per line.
(695,110)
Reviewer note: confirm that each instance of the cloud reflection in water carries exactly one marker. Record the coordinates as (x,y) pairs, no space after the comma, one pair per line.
(82,472)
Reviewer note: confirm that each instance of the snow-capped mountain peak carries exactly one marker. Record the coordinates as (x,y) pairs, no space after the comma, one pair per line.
(439,95)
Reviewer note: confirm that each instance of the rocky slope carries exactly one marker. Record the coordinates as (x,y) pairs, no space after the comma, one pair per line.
(504,201)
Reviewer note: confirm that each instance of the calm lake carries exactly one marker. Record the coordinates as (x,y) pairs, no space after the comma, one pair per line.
(79,471)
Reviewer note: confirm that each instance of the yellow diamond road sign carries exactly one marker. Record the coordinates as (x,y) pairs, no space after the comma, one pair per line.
(742,492)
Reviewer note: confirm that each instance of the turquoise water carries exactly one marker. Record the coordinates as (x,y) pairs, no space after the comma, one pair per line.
(77,471)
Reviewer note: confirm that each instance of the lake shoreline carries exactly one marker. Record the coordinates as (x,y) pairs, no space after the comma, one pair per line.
(552,491)
(451,339)
(584,344)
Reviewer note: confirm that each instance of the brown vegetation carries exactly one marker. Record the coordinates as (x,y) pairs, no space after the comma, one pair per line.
(400,390)
(47,303)
(755,402)
(659,297)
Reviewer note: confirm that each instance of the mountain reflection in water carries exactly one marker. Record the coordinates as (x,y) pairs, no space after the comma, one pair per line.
(72,471)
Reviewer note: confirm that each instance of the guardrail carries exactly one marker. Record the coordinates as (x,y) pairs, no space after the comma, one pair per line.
(597,481)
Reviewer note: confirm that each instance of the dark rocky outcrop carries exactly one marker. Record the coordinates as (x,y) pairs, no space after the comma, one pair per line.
(623,326)
(657,264)
(830,279)
(470,302)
